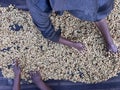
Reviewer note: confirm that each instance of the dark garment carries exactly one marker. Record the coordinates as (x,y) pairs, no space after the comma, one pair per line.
(20,4)
(90,10)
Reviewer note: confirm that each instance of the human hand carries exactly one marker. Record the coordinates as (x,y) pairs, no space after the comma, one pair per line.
(37,79)
(35,76)
(16,68)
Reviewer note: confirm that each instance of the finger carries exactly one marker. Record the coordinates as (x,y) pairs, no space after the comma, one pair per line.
(31,73)
(13,65)
(19,68)
(83,46)
(38,73)
(14,62)
(34,73)
(118,49)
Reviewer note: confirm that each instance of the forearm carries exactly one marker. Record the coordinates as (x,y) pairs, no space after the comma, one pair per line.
(16,85)
(43,86)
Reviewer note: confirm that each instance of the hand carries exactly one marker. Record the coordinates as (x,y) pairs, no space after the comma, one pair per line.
(16,68)
(35,76)
(37,79)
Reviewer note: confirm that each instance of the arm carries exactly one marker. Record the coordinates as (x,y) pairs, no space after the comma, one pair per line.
(37,79)
(16,85)
(42,21)
(43,86)
(17,72)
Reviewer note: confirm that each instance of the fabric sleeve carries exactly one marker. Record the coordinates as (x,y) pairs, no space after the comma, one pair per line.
(42,20)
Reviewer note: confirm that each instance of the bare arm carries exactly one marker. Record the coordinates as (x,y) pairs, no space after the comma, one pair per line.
(17,76)
(37,79)
(43,86)
(16,85)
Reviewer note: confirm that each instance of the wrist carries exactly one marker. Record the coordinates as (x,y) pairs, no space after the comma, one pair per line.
(40,84)
(39,81)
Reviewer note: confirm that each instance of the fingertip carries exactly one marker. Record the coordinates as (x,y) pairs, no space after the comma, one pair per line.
(31,73)
(37,72)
